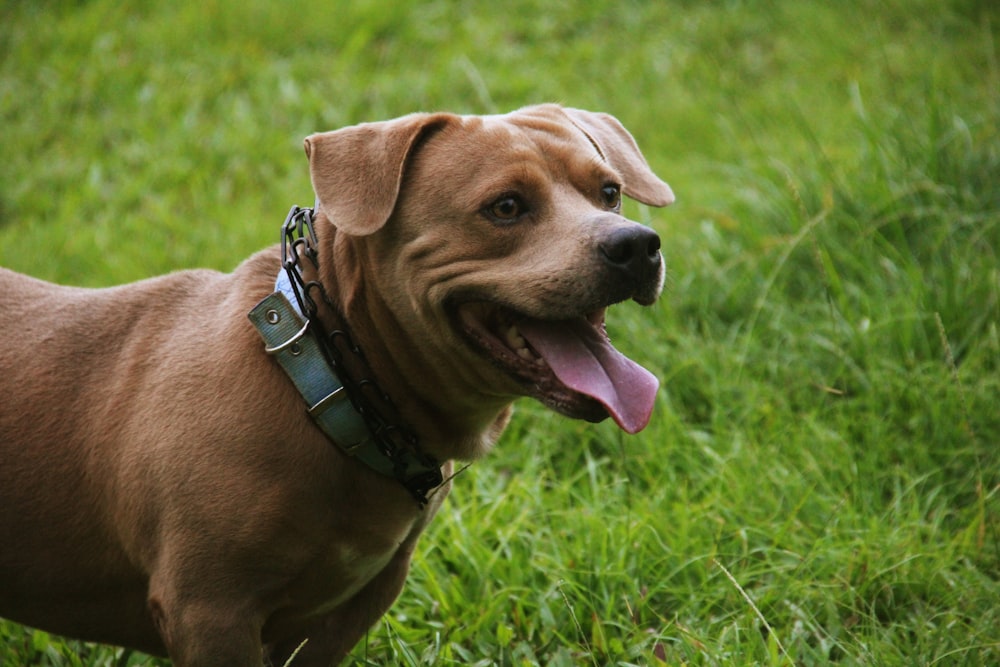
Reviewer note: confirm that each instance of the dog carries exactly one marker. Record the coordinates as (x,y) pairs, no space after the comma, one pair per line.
(191,481)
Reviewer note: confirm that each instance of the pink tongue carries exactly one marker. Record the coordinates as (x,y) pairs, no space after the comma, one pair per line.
(585,361)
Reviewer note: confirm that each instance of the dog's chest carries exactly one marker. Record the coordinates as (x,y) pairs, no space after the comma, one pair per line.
(335,575)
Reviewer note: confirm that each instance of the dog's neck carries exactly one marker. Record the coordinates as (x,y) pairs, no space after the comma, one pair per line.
(448,424)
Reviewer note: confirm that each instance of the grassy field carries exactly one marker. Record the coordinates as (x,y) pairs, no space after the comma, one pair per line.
(819,484)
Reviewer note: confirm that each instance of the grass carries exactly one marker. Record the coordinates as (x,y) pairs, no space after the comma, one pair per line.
(820,480)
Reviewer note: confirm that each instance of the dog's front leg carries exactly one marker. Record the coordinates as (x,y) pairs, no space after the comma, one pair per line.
(207,632)
(331,637)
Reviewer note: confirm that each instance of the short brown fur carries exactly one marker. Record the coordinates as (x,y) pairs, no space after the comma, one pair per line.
(161,486)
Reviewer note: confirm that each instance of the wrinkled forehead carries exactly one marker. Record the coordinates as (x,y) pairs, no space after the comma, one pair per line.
(544,137)
(534,153)
(545,127)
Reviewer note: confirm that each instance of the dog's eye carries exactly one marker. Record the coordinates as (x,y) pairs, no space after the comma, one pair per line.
(611,195)
(507,208)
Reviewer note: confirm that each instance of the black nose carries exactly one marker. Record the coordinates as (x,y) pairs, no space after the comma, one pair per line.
(634,250)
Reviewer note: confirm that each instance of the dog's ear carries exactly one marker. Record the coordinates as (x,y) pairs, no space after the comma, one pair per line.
(357,171)
(617,146)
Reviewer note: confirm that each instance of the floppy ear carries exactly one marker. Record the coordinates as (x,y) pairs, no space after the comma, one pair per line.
(618,147)
(357,171)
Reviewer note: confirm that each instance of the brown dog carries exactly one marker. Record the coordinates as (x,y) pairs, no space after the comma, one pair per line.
(161,483)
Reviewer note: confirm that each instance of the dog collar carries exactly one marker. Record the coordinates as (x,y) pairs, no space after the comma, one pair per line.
(298,344)
(287,338)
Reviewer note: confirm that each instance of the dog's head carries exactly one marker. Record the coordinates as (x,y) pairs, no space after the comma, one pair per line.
(498,243)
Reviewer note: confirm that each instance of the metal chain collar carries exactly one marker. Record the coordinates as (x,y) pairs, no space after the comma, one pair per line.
(395,440)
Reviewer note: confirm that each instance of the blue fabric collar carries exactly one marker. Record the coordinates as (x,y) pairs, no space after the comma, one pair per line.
(289,337)
(309,357)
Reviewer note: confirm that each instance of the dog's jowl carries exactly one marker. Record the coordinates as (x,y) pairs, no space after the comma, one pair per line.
(216,467)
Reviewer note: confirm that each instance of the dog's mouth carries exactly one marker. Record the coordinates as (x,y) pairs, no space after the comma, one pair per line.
(569,365)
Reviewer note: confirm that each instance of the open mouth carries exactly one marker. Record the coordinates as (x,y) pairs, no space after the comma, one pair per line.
(569,365)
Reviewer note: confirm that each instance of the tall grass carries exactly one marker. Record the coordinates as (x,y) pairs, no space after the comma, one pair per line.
(819,482)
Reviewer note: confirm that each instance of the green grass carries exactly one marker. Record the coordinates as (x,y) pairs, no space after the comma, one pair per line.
(820,480)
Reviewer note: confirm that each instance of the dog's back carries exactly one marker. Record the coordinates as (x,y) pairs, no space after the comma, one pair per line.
(68,355)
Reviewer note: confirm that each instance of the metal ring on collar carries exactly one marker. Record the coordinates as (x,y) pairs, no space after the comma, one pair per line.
(291,341)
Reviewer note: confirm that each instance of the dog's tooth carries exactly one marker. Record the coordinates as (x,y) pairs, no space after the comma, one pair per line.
(514,339)
(525,353)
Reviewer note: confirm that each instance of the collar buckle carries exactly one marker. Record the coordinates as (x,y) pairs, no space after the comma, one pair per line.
(287,321)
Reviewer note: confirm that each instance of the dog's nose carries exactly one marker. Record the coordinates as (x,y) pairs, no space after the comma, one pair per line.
(634,250)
